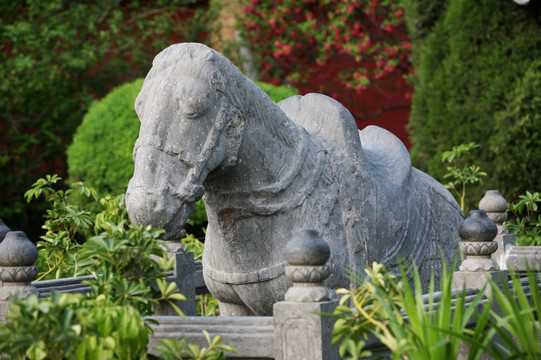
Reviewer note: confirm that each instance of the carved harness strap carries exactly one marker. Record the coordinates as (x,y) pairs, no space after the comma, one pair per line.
(237,278)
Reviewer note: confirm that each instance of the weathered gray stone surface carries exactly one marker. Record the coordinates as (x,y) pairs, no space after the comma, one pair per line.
(17,256)
(252,337)
(267,169)
(496,208)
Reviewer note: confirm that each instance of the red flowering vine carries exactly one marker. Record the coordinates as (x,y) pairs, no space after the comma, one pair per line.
(355,42)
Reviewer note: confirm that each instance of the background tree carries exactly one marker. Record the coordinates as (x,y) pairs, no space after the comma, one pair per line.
(477,80)
(56,56)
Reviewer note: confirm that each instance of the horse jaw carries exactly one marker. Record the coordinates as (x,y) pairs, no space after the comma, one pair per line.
(149,199)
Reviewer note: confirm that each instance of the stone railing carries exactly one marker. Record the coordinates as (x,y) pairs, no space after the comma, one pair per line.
(295,330)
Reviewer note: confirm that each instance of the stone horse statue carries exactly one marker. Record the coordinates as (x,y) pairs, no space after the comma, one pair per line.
(265,170)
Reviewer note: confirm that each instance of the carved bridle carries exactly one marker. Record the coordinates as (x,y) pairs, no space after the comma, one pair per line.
(191,189)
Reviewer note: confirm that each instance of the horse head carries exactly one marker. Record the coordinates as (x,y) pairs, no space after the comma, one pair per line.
(187,131)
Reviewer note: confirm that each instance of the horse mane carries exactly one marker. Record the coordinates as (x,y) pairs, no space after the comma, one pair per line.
(207,65)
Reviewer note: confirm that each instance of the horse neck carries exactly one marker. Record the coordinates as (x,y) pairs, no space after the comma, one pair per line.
(272,148)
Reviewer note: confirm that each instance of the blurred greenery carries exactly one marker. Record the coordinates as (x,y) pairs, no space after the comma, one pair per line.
(56,57)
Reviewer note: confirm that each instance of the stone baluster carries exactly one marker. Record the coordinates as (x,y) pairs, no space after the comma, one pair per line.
(477,235)
(299,332)
(183,276)
(17,270)
(496,208)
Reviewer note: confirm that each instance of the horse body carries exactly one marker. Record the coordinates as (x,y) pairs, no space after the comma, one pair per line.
(267,170)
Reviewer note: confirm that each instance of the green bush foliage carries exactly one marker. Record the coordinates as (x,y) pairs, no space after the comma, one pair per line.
(436,325)
(130,268)
(516,143)
(101,152)
(478,57)
(525,223)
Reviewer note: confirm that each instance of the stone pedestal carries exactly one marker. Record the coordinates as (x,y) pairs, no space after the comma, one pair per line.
(183,276)
(477,233)
(522,258)
(17,256)
(299,331)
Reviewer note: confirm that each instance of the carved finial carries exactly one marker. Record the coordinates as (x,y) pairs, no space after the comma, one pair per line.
(477,233)
(3,230)
(17,256)
(495,206)
(307,254)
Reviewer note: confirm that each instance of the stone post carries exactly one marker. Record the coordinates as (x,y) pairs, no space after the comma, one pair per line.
(299,331)
(496,208)
(17,257)
(183,276)
(477,233)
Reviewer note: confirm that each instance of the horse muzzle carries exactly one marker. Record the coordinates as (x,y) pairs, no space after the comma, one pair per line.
(146,207)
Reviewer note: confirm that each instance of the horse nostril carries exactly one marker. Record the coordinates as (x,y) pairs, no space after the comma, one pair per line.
(140,207)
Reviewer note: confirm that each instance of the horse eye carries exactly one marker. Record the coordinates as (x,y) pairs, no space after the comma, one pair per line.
(187,110)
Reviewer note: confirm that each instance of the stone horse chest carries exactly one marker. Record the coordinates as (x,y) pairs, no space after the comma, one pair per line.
(243,260)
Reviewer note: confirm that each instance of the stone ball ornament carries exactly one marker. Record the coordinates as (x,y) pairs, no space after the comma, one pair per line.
(307,254)
(495,206)
(17,250)
(477,227)
(17,270)
(307,248)
(477,233)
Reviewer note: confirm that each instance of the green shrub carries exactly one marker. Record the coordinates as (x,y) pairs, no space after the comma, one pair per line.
(525,223)
(516,143)
(101,152)
(461,172)
(277,93)
(129,265)
(387,307)
(478,56)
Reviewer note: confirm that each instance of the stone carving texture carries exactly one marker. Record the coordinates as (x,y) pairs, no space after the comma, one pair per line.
(268,169)
(524,258)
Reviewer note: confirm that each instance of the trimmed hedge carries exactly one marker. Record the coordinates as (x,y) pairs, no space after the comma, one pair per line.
(479,56)
(101,152)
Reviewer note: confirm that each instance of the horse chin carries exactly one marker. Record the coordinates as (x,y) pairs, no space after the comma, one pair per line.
(159,210)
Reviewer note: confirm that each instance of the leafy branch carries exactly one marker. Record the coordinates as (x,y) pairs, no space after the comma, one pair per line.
(460,171)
